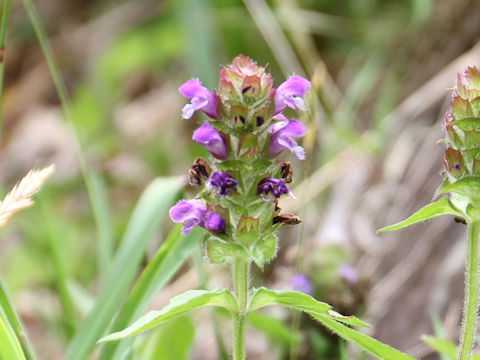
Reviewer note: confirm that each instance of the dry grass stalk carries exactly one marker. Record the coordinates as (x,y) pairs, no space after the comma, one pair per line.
(20,196)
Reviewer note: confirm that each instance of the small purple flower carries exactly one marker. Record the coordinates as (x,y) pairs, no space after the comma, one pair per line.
(275,187)
(201,99)
(281,139)
(301,282)
(194,213)
(349,274)
(290,94)
(207,136)
(222,183)
(215,223)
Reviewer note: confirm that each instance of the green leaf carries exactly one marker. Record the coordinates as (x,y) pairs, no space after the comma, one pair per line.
(10,347)
(299,301)
(12,321)
(441,207)
(161,268)
(444,347)
(190,300)
(373,346)
(265,297)
(150,209)
(171,341)
(467,186)
(219,251)
(264,251)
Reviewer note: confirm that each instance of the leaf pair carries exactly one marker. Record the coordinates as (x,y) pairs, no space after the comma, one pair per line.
(260,298)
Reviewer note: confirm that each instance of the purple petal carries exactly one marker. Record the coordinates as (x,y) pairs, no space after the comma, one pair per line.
(207,136)
(281,139)
(190,212)
(215,223)
(202,99)
(290,92)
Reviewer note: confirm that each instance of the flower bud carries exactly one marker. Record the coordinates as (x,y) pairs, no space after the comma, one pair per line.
(244,79)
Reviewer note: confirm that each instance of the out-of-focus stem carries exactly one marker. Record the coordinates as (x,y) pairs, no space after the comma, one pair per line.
(240,278)
(3,36)
(471,292)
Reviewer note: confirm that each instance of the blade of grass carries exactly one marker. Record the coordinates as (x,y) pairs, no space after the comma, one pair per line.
(149,211)
(158,272)
(201,44)
(99,205)
(15,323)
(61,280)
(9,345)
(274,36)
(3,36)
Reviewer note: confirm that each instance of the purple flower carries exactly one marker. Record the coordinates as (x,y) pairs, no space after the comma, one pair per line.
(215,223)
(201,99)
(275,187)
(349,274)
(281,139)
(194,213)
(207,136)
(301,282)
(290,92)
(222,183)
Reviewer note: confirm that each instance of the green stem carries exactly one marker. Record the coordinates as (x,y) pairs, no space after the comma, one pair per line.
(471,293)
(97,198)
(3,36)
(240,278)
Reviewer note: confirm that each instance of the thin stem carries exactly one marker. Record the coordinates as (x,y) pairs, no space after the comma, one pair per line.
(240,278)
(471,293)
(90,177)
(3,36)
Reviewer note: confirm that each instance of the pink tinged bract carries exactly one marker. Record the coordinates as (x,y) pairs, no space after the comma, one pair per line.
(207,136)
(290,94)
(282,137)
(201,99)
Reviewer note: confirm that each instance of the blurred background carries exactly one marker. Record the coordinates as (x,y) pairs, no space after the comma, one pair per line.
(380,71)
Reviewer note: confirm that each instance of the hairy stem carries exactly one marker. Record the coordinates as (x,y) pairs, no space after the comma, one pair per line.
(471,293)
(240,278)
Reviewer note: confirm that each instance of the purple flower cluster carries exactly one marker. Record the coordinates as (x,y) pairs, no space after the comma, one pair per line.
(246,124)
(222,183)
(274,187)
(194,213)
